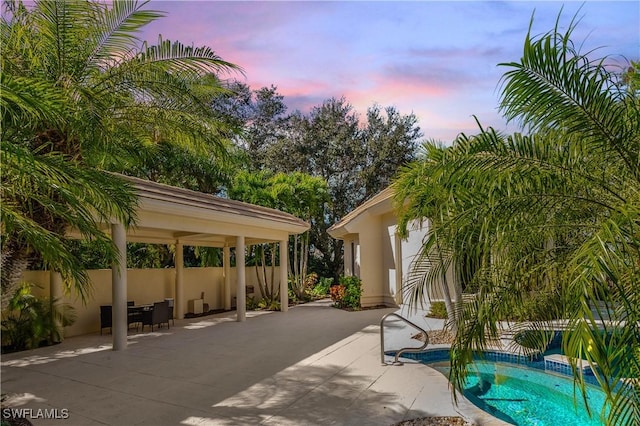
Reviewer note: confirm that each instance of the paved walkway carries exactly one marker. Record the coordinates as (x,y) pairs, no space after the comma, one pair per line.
(313,365)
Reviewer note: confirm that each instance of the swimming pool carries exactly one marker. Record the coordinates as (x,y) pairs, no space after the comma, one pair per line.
(526,396)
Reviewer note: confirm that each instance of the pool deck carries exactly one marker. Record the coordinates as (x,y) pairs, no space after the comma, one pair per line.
(313,365)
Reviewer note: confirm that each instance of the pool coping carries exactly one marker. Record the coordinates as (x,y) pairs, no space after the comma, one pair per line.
(554,363)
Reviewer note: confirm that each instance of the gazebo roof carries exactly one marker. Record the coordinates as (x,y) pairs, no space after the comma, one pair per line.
(167,214)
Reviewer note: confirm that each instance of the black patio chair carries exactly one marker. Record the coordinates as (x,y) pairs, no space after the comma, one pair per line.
(158,315)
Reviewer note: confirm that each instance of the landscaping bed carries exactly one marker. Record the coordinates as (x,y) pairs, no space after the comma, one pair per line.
(435,421)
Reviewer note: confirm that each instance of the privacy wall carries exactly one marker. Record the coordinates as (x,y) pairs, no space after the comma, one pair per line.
(145,286)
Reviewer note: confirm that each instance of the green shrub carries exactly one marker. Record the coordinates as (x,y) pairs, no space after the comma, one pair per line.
(347,293)
(252,304)
(541,305)
(30,322)
(274,305)
(293,298)
(438,310)
(310,281)
(321,289)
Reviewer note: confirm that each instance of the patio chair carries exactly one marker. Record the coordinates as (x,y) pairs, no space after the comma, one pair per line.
(105,317)
(134,315)
(170,304)
(157,316)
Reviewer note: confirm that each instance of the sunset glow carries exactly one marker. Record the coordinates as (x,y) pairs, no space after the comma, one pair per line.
(438,60)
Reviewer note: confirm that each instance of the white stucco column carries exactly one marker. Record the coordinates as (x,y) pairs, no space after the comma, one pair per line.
(284,285)
(55,293)
(399,266)
(180,302)
(371,264)
(241,291)
(119,288)
(226,254)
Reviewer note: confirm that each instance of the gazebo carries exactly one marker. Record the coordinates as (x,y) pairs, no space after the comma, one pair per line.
(170,215)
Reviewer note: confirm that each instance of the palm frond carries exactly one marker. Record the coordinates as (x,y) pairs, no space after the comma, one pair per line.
(556,86)
(25,102)
(114,35)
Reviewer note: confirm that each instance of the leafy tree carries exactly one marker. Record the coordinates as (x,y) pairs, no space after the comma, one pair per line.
(631,77)
(553,213)
(265,127)
(42,195)
(78,90)
(389,141)
(234,106)
(327,144)
(261,114)
(303,196)
(356,159)
(254,188)
(295,193)
(168,163)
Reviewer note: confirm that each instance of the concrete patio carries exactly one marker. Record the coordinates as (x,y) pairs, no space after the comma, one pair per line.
(311,365)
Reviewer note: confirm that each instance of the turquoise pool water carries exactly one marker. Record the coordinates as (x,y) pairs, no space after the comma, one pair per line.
(524,396)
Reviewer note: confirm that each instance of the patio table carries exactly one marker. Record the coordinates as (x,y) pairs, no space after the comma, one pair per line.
(136,313)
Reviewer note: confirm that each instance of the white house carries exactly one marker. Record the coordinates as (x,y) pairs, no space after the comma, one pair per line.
(374,251)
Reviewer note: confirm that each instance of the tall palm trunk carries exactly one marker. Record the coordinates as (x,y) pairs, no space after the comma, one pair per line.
(16,253)
(266,279)
(14,260)
(298,266)
(259,272)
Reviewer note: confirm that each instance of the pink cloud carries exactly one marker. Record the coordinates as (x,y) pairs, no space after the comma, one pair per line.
(436,59)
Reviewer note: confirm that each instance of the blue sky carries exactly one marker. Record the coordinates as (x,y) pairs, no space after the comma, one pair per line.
(437,60)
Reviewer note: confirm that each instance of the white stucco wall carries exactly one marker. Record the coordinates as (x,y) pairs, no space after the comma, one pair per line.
(412,245)
(390,255)
(383,260)
(403,252)
(411,248)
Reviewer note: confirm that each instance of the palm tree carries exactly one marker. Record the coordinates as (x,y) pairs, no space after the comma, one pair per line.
(296,193)
(78,92)
(420,195)
(552,218)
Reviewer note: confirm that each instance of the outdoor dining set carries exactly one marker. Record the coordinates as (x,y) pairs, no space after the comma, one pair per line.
(157,313)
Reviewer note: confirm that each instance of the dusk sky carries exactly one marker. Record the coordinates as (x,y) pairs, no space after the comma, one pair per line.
(438,60)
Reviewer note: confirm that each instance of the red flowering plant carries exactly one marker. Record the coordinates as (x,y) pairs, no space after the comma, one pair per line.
(347,293)
(337,295)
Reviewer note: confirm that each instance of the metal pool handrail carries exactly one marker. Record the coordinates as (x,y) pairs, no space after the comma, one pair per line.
(403,350)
